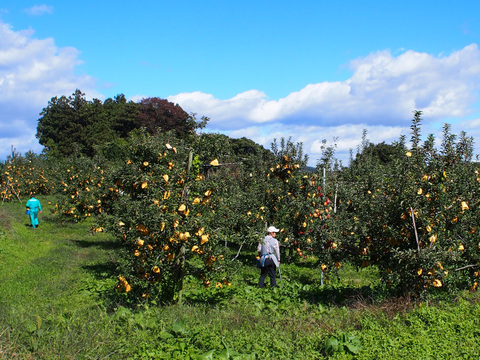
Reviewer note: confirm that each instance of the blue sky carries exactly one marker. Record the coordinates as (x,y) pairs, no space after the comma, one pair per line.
(309,70)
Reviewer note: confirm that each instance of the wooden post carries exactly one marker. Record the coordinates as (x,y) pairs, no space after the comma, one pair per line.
(415,228)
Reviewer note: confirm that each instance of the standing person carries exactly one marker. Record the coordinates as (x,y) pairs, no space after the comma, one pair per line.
(269,252)
(34,206)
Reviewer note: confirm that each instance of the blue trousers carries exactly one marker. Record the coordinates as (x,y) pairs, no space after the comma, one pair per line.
(34,218)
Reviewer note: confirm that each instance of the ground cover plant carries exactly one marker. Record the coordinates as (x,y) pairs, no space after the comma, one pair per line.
(57,303)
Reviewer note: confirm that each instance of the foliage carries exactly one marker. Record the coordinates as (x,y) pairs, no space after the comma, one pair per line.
(289,149)
(411,213)
(82,188)
(23,175)
(342,343)
(414,216)
(74,126)
(238,180)
(157,114)
(163,213)
(296,204)
(177,215)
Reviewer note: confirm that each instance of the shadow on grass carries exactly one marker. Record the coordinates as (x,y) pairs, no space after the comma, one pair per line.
(346,295)
(102,265)
(326,296)
(5,220)
(299,286)
(102,271)
(105,279)
(102,244)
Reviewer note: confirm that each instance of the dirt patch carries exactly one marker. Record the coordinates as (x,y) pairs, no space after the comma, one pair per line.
(5,220)
(390,307)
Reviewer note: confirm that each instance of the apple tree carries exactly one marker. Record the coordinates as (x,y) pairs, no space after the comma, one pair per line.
(163,211)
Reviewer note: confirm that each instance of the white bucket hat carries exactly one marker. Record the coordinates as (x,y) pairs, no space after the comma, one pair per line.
(273,229)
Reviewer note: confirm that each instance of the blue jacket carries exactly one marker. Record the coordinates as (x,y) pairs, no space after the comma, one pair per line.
(34,205)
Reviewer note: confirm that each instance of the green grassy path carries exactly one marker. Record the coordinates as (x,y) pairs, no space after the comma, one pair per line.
(44,263)
(52,279)
(44,271)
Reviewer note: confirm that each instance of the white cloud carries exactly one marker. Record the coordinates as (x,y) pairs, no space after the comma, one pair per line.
(241,107)
(137,98)
(380,97)
(32,71)
(345,137)
(382,90)
(440,86)
(39,10)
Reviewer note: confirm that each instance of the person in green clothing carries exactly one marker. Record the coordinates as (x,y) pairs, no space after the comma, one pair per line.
(33,208)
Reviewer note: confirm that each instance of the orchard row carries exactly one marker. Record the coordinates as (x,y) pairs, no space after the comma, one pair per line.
(188,209)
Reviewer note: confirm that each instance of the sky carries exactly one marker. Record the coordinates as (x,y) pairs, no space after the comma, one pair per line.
(309,71)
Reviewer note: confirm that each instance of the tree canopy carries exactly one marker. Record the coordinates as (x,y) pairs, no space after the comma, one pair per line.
(74,125)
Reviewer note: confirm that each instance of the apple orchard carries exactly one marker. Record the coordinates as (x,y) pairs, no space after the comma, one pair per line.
(186,208)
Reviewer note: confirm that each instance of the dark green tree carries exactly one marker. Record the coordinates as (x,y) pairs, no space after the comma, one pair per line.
(60,128)
(75,126)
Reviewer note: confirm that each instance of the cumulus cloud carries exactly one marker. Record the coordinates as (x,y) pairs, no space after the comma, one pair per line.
(379,97)
(32,71)
(225,113)
(137,98)
(39,10)
(382,90)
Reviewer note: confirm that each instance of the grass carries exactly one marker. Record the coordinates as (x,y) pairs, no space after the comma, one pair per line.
(43,272)
(57,302)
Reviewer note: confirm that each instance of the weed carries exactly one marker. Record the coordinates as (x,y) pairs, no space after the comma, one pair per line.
(58,301)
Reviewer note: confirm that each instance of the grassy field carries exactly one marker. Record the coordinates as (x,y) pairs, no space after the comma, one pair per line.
(57,302)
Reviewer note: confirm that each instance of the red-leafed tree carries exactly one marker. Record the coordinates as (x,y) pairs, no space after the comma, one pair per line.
(161,115)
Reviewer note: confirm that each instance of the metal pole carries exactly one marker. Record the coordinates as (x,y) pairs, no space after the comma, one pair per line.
(324,183)
(335,202)
(324,171)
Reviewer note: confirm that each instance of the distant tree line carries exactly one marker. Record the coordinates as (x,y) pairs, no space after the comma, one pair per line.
(74,125)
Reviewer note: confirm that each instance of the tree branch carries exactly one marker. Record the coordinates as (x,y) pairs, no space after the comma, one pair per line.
(239,249)
(466,267)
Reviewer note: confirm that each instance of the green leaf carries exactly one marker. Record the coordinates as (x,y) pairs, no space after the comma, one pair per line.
(351,342)
(354,346)
(206,356)
(165,335)
(332,345)
(122,312)
(38,320)
(179,328)
(244,357)
(223,355)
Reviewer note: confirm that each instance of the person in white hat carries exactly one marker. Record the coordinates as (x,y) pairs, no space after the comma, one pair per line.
(269,252)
